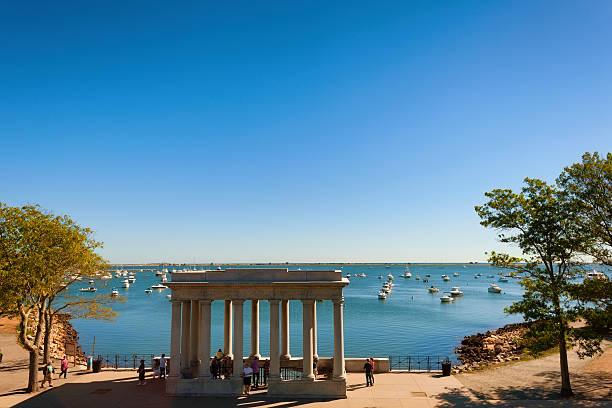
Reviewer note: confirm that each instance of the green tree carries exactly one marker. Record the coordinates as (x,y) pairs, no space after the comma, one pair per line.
(544,223)
(41,255)
(589,184)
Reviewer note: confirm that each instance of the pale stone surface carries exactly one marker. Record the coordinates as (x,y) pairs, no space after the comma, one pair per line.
(197,289)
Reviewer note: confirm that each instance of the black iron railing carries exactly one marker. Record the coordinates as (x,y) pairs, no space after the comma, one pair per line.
(417,363)
(290,374)
(132,361)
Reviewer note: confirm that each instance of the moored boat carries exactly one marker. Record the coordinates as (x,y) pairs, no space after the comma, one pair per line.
(456,291)
(494,288)
(446,299)
(433,289)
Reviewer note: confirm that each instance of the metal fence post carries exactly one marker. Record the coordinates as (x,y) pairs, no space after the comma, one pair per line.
(409,364)
(116,361)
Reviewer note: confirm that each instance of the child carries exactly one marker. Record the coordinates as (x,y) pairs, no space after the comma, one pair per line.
(47,374)
(141,373)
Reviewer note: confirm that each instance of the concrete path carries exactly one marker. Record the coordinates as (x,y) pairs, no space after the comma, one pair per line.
(524,384)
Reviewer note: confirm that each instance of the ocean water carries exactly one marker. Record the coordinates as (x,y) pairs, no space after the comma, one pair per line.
(410,322)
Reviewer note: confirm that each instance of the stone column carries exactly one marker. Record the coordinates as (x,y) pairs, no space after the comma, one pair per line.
(185,332)
(255,328)
(314,329)
(195,332)
(274,349)
(175,339)
(307,369)
(227,329)
(204,349)
(285,336)
(339,372)
(238,328)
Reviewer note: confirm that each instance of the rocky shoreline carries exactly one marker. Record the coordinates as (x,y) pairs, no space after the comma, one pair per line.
(62,333)
(490,348)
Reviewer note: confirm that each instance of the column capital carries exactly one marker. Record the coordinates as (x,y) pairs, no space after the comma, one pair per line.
(176,302)
(338,300)
(308,301)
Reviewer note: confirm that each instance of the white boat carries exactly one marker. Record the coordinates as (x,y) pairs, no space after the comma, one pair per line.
(407,274)
(382,295)
(125,284)
(595,274)
(456,291)
(433,289)
(476,276)
(148,290)
(165,270)
(91,282)
(456,274)
(159,273)
(503,279)
(380,276)
(418,277)
(89,289)
(164,279)
(446,299)
(114,292)
(390,277)
(106,276)
(494,288)
(132,279)
(446,278)
(169,296)
(159,286)
(489,276)
(363,275)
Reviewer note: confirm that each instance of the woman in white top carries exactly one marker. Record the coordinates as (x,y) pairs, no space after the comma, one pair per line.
(248,372)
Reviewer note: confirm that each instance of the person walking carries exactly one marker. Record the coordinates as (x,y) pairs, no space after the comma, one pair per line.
(47,374)
(247,373)
(162,366)
(141,373)
(255,367)
(266,369)
(368,372)
(64,367)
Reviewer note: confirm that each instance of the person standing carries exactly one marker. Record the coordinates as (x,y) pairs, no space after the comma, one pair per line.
(255,367)
(64,367)
(141,373)
(266,369)
(219,354)
(47,376)
(247,372)
(162,366)
(372,372)
(368,372)
(214,368)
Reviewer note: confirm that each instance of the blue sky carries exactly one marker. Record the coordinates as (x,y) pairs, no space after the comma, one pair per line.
(295,131)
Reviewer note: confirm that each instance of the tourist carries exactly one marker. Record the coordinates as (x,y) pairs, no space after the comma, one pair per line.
(372,373)
(368,372)
(266,369)
(64,367)
(255,367)
(214,368)
(219,354)
(47,374)
(247,372)
(315,363)
(141,373)
(162,366)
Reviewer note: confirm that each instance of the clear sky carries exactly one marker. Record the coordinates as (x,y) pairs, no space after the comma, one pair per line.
(295,131)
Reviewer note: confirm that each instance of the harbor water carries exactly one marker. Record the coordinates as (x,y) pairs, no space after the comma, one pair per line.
(411,321)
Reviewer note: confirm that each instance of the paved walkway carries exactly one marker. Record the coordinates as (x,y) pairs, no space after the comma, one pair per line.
(524,384)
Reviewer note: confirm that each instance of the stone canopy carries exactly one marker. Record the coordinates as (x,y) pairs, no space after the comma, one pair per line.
(192,295)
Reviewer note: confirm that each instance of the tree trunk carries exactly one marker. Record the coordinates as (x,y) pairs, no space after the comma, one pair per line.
(47,337)
(33,385)
(566,388)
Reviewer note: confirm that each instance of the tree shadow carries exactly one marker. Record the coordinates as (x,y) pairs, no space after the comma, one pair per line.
(126,393)
(590,389)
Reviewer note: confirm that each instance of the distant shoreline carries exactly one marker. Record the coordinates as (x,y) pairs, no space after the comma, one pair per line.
(301,263)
